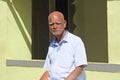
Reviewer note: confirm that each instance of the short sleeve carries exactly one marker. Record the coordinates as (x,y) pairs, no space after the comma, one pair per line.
(80,54)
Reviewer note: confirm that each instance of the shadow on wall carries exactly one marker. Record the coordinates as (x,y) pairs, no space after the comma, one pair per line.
(76,18)
(72,10)
(22,6)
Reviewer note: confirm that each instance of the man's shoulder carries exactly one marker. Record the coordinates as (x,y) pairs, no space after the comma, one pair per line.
(74,37)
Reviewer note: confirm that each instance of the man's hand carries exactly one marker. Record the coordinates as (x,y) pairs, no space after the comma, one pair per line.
(45,76)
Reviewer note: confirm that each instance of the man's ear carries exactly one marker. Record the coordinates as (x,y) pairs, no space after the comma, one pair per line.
(65,22)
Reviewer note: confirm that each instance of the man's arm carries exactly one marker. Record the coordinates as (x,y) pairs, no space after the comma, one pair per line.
(45,76)
(77,71)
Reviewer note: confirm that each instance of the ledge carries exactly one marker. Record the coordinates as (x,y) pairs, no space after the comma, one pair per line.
(25,63)
(103,67)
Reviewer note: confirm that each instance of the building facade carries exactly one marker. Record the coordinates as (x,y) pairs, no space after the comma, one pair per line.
(24,36)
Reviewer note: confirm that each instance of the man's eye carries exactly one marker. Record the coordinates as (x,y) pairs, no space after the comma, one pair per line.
(51,24)
(58,23)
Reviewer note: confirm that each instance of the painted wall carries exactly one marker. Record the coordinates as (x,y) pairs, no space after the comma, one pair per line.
(113,26)
(15,29)
(15,41)
(20,73)
(114,31)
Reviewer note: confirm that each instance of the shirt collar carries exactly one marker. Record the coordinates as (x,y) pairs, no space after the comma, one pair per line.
(65,39)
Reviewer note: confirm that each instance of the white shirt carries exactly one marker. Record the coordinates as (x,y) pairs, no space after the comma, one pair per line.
(63,57)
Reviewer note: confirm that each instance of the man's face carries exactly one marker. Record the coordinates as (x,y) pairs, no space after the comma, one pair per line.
(57,25)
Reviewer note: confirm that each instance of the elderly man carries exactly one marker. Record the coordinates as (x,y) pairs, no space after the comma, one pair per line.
(66,56)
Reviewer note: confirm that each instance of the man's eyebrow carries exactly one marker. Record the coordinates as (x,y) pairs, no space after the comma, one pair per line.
(53,22)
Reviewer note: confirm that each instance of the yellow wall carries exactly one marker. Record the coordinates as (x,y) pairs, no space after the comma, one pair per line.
(96,75)
(114,31)
(113,19)
(113,26)
(15,39)
(21,73)
(15,22)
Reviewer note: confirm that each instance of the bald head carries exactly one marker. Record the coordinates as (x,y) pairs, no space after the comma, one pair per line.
(56,14)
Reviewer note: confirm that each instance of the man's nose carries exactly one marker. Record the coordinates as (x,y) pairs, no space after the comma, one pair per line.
(54,25)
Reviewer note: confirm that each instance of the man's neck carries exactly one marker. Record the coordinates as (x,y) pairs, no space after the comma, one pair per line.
(59,38)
